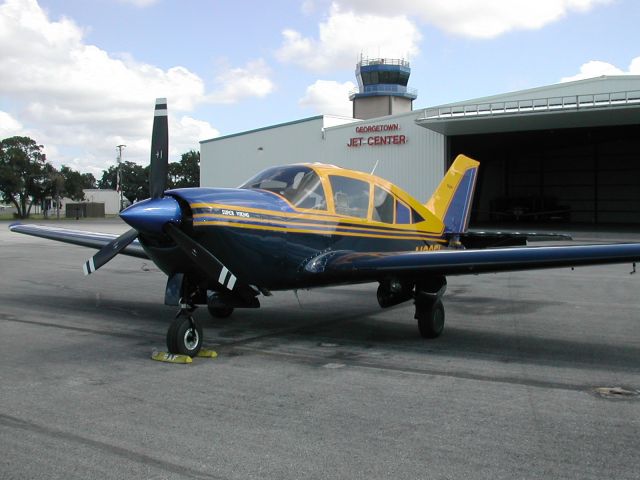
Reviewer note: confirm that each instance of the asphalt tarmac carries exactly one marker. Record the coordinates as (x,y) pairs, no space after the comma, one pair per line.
(320,387)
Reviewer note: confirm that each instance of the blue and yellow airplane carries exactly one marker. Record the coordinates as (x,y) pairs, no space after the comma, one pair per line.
(312,225)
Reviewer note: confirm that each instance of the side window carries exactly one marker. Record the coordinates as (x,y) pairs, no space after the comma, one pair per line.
(403,214)
(382,205)
(417,218)
(350,196)
(307,192)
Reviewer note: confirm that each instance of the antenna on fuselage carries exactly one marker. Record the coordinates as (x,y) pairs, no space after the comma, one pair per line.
(375,166)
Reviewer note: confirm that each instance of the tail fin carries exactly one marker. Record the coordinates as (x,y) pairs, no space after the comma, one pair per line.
(451,202)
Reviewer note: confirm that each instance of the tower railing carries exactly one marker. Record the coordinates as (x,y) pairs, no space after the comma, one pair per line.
(383,61)
(387,88)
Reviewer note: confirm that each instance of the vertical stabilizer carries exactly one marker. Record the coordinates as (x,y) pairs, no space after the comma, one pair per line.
(451,202)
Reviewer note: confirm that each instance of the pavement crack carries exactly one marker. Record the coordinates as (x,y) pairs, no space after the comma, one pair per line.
(319,360)
(109,333)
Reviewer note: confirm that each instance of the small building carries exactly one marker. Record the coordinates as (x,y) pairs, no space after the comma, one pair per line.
(97,203)
(84,210)
(110,198)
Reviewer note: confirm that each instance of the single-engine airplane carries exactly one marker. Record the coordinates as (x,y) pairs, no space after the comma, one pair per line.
(311,225)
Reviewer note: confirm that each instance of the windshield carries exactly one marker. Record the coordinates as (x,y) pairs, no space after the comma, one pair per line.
(300,185)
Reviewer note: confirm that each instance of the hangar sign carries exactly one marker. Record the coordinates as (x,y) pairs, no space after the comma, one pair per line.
(387,135)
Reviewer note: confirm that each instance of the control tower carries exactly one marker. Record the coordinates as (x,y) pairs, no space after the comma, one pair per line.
(382,88)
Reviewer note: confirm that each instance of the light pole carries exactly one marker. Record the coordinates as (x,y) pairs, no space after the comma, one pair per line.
(119,174)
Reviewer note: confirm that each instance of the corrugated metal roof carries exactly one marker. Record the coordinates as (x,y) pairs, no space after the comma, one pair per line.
(602,101)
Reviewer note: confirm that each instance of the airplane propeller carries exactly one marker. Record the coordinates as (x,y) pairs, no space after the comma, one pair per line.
(207,262)
(160,215)
(157,185)
(109,251)
(159,150)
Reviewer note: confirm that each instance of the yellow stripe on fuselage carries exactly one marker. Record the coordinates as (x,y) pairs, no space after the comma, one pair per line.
(315,223)
(311,215)
(289,226)
(329,231)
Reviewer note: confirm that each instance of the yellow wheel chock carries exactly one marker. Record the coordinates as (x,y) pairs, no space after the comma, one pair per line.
(176,358)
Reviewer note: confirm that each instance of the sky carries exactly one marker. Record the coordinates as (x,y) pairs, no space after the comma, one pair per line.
(81,77)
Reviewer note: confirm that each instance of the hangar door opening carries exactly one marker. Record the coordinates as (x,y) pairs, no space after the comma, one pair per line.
(583,175)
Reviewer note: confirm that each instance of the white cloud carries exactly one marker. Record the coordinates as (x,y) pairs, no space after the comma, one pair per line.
(345,35)
(187,130)
(80,101)
(139,3)
(329,97)
(308,7)
(596,68)
(9,126)
(478,19)
(235,84)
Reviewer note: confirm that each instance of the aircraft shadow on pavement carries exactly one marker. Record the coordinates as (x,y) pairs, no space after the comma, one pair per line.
(363,325)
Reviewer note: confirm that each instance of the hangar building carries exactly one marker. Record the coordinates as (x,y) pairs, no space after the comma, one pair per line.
(564,153)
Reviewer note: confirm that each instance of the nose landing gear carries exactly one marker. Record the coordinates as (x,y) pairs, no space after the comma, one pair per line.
(185,335)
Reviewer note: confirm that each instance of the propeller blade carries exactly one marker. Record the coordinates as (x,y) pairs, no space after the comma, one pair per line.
(109,251)
(159,150)
(202,257)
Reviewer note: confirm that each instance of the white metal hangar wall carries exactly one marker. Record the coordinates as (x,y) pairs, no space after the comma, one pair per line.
(398,148)
(565,153)
(230,160)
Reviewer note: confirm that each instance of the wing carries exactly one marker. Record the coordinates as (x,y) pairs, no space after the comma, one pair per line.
(476,239)
(78,237)
(344,266)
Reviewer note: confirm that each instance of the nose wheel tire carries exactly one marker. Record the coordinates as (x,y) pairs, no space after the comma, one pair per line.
(184,336)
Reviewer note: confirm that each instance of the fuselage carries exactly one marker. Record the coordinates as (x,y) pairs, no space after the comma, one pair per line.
(267,230)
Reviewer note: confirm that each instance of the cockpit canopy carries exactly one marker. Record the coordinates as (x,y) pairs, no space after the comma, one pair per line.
(304,189)
(298,184)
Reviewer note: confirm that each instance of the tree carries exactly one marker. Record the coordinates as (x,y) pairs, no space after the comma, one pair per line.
(174,175)
(185,173)
(190,169)
(24,176)
(72,184)
(133,180)
(88,180)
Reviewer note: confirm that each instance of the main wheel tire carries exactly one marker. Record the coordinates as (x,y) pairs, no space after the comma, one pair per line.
(220,312)
(184,337)
(431,320)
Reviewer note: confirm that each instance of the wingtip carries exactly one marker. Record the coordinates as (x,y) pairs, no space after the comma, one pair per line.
(89,267)
(13,225)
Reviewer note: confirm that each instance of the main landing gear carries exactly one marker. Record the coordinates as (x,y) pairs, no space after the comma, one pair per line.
(184,336)
(427,295)
(429,308)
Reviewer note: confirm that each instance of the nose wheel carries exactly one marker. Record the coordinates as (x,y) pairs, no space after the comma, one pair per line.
(184,336)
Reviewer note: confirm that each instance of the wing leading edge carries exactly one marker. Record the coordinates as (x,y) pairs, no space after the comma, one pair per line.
(78,237)
(352,266)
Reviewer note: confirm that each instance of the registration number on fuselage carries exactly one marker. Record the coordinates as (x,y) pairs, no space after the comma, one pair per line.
(428,248)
